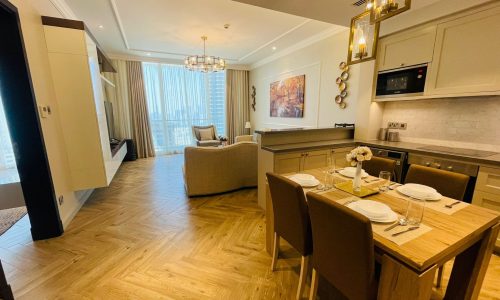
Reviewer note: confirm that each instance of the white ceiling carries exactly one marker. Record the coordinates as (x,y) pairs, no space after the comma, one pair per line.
(172,29)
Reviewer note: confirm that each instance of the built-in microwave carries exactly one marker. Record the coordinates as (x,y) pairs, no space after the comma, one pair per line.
(403,81)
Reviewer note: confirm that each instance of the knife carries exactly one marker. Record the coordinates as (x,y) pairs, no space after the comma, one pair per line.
(409,229)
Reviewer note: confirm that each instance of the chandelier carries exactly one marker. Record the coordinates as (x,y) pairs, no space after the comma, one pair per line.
(204,63)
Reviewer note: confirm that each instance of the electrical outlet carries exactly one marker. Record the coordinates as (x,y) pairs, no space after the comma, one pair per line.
(393,125)
(61,200)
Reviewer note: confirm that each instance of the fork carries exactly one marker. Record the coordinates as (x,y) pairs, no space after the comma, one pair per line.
(350,201)
(407,230)
(452,204)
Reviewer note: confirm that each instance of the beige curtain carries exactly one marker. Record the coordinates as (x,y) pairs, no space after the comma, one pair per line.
(237,102)
(118,96)
(140,126)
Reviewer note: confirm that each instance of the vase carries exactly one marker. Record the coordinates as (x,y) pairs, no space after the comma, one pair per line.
(356,182)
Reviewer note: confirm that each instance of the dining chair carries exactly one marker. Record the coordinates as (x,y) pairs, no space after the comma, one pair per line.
(343,249)
(291,222)
(378,164)
(449,184)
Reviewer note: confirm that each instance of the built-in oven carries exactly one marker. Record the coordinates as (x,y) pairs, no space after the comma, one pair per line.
(398,156)
(403,81)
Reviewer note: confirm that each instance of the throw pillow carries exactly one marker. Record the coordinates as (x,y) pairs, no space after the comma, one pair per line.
(206,134)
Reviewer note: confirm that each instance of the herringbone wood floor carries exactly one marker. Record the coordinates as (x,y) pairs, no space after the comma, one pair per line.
(142,238)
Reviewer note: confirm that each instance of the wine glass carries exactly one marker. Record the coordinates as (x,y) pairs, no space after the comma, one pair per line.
(386,177)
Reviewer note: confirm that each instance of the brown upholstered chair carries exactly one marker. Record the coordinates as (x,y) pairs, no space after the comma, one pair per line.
(212,141)
(449,184)
(291,221)
(377,164)
(343,249)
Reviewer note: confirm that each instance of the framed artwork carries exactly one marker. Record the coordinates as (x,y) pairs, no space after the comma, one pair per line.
(287,97)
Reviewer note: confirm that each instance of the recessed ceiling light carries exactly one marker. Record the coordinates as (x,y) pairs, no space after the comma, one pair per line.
(274,48)
(100,27)
(148,54)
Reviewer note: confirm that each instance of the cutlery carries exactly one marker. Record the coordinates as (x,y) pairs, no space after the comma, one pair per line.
(400,222)
(452,204)
(349,202)
(371,180)
(394,185)
(407,230)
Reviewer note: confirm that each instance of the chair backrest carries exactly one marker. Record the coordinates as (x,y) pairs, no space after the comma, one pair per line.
(291,215)
(449,184)
(196,131)
(377,164)
(243,138)
(343,247)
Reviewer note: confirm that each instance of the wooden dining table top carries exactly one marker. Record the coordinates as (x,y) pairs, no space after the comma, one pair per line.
(450,234)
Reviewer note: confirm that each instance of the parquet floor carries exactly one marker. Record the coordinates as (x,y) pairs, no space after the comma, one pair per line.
(142,238)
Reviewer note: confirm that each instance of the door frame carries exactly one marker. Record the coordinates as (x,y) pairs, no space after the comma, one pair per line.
(25,129)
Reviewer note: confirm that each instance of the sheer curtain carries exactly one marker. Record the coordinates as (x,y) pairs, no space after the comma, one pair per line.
(7,159)
(178,99)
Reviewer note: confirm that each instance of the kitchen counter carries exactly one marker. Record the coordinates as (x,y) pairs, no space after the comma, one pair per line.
(298,129)
(493,160)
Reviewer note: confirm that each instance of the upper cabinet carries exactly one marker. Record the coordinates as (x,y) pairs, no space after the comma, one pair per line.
(466,56)
(460,50)
(406,49)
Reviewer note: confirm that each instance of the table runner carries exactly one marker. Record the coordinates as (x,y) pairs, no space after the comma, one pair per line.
(378,228)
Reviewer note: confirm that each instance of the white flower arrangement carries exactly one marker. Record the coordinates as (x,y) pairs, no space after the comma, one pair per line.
(359,154)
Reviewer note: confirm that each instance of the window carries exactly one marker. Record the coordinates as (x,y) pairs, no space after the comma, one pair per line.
(178,99)
(7,159)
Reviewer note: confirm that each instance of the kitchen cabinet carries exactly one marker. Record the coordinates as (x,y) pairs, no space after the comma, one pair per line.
(408,48)
(306,160)
(465,59)
(75,71)
(487,191)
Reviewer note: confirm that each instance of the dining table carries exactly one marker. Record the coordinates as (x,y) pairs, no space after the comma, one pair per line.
(465,233)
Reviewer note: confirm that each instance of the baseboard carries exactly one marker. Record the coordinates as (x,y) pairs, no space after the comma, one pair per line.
(82,197)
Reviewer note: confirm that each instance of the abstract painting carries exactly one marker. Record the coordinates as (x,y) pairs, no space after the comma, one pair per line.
(287,97)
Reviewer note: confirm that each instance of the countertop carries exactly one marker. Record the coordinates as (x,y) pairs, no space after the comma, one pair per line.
(291,130)
(493,160)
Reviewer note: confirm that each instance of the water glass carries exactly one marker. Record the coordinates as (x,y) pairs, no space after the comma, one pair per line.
(386,180)
(327,178)
(415,211)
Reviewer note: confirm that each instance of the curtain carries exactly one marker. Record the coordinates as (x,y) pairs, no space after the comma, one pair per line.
(7,159)
(141,129)
(177,100)
(237,102)
(118,96)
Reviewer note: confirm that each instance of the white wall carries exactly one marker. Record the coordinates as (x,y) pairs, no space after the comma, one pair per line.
(319,62)
(36,49)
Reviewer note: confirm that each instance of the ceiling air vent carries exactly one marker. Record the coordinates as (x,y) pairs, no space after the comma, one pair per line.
(359,3)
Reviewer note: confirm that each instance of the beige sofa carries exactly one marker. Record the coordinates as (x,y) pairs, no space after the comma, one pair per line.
(217,170)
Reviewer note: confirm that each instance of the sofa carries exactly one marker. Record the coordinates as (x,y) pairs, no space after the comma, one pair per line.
(216,170)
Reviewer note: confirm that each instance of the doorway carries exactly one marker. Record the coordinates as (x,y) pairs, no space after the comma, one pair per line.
(20,110)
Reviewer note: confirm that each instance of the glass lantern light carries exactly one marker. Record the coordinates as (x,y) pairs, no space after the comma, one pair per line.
(383,9)
(363,39)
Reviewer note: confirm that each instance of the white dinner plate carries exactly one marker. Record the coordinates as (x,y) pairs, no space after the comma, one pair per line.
(351,172)
(373,209)
(305,183)
(419,191)
(389,218)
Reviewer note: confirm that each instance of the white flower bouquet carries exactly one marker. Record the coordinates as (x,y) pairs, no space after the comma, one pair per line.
(359,154)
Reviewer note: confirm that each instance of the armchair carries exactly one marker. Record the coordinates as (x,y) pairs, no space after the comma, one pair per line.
(206,136)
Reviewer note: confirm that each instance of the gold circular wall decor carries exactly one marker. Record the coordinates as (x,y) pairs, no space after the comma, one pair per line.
(338,99)
(342,86)
(344,76)
(338,80)
(343,94)
(343,65)
(343,105)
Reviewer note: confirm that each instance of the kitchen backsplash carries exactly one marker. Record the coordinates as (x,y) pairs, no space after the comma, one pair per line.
(472,122)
